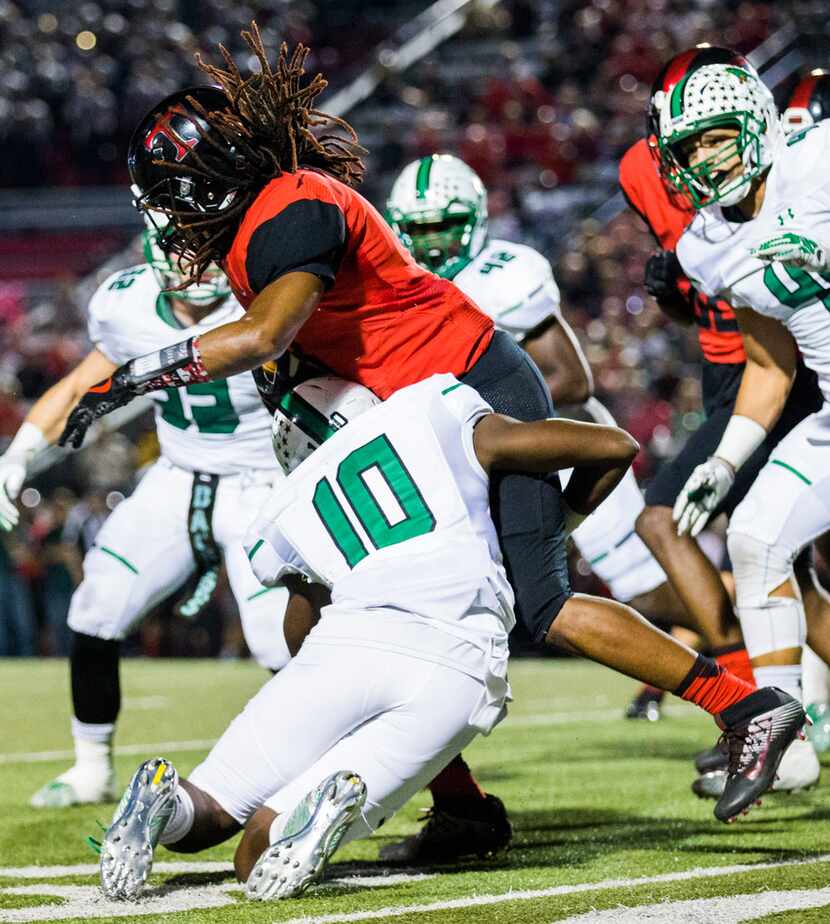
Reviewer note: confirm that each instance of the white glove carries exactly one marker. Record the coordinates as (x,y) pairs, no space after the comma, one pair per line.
(12,476)
(28,442)
(707,486)
(794,249)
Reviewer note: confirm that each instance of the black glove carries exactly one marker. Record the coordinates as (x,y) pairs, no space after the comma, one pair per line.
(662,272)
(101,399)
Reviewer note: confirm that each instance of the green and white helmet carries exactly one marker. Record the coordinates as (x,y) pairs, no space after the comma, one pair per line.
(214,286)
(438,208)
(312,412)
(718,96)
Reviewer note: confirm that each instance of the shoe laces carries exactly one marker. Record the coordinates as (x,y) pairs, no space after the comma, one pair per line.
(745,744)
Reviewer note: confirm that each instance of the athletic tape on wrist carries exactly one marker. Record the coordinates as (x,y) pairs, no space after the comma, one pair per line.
(740,439)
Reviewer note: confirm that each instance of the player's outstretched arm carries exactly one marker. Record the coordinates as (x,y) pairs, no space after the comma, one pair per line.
(263,334)
(599,455)
(42,426)
(765,385)
(556,351)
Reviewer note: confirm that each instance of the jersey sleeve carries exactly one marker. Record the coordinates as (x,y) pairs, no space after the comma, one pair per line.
(468,407)
(307,235)
(270,553)
(108,314)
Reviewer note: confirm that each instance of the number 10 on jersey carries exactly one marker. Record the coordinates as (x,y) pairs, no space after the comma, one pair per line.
(382,497)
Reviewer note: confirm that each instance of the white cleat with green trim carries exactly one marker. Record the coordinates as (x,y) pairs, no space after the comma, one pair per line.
(79,785)
(310,837)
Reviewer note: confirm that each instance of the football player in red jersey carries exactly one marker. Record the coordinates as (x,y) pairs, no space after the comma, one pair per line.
(809,102)
(649,192)
(253,177)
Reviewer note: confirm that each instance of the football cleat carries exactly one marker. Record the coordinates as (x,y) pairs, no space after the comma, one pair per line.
(311,835)
(758,729)
(450,836)
(646,704)
(710,785)
(714,758)
(77,786)
(130,841)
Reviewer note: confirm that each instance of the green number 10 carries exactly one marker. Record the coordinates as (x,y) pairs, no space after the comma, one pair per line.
(379,454)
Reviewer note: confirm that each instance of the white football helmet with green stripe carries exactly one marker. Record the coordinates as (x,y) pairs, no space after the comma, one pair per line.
(717,96)
(311,412)
(438,208)
(214,286)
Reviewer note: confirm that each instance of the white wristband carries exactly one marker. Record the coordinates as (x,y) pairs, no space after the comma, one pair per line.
(27,443)
(740,439)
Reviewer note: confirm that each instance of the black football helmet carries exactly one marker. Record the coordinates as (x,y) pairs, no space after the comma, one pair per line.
(809,102)
(181,165)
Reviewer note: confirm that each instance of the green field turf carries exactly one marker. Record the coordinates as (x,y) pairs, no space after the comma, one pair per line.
(601,809)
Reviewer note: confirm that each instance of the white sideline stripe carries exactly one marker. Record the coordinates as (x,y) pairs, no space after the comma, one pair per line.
(703,872)
(36,757)
(732,910)
(91,869)
(519,721)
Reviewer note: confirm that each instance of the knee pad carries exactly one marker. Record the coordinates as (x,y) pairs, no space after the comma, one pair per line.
(768,623)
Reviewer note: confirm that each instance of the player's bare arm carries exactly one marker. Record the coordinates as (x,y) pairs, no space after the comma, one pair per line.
(267,329)
(42,426)
(599,455)
(770,368)
(263,334)
(556,351)
(50,412)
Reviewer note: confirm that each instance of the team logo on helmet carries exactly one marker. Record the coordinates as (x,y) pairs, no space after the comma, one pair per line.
(165,128)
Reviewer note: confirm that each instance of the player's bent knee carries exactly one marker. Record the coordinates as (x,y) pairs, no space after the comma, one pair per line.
(255,841)
(759,567)
(655,525)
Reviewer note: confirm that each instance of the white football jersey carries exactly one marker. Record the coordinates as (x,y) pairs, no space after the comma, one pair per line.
(714,251)
(513,284)
(218,427)
(392,513)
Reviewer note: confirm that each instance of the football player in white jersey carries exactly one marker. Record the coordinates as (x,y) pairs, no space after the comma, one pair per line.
(759,240)
(438,207)
(188,513)
(408,662)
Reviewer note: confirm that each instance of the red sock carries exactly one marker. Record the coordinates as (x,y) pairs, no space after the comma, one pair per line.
(736,660)
(712,687)
(455,781)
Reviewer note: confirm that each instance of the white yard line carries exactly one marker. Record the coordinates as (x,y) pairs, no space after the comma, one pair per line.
(37,757)
(91,869)
(731,910)
(396,911)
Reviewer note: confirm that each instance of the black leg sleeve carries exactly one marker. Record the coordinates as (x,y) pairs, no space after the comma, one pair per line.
(96,686)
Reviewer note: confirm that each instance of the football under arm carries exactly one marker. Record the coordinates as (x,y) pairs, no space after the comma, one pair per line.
(554,348)
(51,410)
(265,331)
(599,455)
(770,368)
(302,613)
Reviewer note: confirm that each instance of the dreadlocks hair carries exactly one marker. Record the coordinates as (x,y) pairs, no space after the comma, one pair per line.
(273,127)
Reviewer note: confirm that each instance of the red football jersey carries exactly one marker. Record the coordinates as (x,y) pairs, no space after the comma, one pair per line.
(668,217)
(383,321)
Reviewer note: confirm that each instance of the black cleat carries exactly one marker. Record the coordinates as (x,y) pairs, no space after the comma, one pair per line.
(646,704)
(757,731)
(712,759)
(449,836)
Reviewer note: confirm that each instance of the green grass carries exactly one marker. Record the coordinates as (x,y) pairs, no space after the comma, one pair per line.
(592,798)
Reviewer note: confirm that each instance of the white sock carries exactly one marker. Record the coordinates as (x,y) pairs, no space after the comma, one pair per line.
(786,677)
(93,744)
(181,821)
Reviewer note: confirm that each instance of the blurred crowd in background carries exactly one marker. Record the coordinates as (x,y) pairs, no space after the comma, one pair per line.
(540,97)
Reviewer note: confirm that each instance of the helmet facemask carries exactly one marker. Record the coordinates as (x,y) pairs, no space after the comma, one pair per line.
(717,96)
(438,209)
